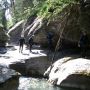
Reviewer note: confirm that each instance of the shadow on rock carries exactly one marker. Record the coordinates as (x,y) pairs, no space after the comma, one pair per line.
(11,84)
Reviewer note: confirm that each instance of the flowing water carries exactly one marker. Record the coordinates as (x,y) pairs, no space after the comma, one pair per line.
(25,83)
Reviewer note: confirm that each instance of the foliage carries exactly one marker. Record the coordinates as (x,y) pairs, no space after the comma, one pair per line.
(0,17)
(53,7)
(5,5)
(17,11)
(34,8)
(23,9)
(43,8)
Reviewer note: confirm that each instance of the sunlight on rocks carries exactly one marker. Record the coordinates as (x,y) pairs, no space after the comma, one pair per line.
(14,56)
(63,68)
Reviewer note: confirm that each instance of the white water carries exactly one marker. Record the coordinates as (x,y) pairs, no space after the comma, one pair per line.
(38,84)
(35,84)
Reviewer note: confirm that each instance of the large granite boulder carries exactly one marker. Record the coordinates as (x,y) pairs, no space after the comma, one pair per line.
(68,72)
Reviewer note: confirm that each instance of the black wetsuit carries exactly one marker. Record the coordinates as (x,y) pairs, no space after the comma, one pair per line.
(83,45)
(21,43)
(30,43)
(50,40)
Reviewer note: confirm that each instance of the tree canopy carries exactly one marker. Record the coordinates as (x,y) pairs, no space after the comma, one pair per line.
(23,9)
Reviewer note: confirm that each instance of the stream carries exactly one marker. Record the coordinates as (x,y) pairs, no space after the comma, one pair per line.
(29,83)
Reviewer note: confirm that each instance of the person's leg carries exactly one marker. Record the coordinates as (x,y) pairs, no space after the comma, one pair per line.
(83,53)
(22,48)
(50,45)
(30,47)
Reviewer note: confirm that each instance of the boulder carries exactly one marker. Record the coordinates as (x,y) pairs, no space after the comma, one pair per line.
(11,84)
(37,66)
(68,72)
(34,67)
(6,74)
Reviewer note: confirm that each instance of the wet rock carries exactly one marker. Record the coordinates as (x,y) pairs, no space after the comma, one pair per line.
(3,50)
(77,81)
(11,84)
(20,67)
(68,72)
(6,73)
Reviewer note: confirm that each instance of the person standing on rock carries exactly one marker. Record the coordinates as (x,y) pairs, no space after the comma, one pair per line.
(50,40)
(83,43)
(30,41)
(21,43)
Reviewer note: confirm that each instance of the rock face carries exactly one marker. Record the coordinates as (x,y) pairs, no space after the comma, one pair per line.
(68,25)
(3,37)
(68,72)
(15,32)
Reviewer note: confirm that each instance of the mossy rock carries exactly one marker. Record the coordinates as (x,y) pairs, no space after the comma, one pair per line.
(3,37)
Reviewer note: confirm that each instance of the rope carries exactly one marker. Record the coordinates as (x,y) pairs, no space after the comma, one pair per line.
(58,43)
(59,40)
